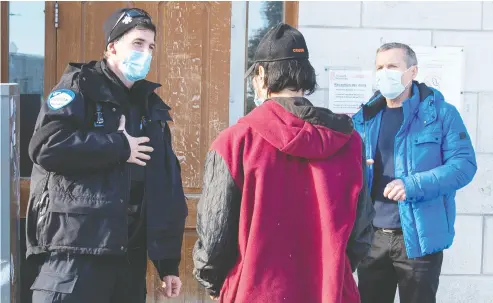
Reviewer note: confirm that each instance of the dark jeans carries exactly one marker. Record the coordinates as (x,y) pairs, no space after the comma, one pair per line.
(74,278)
(387,266)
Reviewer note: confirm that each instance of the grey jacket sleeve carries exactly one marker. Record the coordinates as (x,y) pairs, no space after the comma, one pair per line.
(218,213)
(362,234)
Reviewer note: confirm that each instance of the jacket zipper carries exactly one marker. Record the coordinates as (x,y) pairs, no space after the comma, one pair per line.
(127,196)
(364,132)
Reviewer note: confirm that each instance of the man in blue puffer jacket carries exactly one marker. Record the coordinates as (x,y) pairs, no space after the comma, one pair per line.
(420,154)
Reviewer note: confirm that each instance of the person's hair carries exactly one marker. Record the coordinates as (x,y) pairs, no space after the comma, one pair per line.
(141,25)
(293,74)
(410,54)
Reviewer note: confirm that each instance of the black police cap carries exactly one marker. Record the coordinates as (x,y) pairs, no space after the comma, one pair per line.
(122,20)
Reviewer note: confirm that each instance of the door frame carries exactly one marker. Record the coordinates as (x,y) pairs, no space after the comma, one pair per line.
(4,44)
(238,55)
(238,58)
(50,77)
(291,12)
(50,44)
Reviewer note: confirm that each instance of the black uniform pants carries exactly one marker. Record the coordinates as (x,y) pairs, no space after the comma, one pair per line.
(387,266)
(74,278)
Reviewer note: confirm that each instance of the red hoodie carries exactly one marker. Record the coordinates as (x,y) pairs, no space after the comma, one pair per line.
(298,173)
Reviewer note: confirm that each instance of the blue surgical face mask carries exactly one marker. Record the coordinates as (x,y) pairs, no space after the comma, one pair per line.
(389,83)
(136,65)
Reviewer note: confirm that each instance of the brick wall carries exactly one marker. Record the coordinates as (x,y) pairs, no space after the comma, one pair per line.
(348,34)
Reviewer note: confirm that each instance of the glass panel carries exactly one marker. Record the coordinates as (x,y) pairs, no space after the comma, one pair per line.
(26,67)
(262,15)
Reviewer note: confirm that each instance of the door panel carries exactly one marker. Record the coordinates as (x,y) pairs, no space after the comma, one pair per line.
(191,61)
(185,61)
(68,36)
(195,62)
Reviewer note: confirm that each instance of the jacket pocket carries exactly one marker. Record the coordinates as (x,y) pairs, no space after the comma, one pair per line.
(431,217)
(84,224)
(445,208)
(426,151)
(55,282)
(89,186)
(449,204)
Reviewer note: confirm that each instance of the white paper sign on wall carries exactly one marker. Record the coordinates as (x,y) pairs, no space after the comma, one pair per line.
(442,67)
(348,89)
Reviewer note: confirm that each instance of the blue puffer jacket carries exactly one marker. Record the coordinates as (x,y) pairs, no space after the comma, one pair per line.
(433,156)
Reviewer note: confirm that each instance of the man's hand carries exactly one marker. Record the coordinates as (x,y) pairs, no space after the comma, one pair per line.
(171,286)
(369,162)
(214,298)
(137,149)
(395,190)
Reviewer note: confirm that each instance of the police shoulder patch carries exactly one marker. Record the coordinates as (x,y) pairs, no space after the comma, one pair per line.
(60,98)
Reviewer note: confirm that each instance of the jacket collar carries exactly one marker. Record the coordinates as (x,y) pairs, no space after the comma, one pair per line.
(92,82)
(414,106)
(304,109)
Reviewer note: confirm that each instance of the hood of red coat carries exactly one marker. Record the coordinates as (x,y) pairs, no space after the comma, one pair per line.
(297,128)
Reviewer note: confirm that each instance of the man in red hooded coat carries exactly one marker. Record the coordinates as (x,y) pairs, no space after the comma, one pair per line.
(285,214)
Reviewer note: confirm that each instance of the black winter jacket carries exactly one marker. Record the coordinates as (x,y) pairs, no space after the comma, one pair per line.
(80,182)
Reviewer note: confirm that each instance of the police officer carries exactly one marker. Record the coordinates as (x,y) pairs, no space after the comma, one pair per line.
(106,190)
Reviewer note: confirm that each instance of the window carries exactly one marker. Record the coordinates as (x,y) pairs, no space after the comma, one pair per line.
(262,15)
(26,67)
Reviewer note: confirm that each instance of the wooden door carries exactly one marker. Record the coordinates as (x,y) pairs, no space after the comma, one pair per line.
(191,61)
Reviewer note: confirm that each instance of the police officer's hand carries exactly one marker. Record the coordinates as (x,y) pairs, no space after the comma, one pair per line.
(137,147)
(171,286)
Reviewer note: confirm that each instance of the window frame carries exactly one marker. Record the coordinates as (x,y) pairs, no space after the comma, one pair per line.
(4,44)
(239,53)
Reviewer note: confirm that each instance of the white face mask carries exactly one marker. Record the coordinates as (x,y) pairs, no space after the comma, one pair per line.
(258,100)
(389,82)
